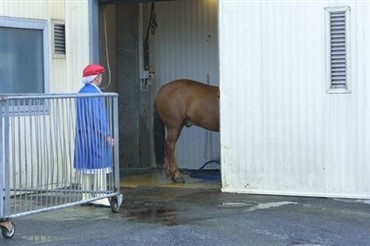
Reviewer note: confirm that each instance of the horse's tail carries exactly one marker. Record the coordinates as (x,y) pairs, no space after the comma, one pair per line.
(159,138)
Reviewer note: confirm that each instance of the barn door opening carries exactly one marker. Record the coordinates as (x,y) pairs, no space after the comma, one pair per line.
(184,44)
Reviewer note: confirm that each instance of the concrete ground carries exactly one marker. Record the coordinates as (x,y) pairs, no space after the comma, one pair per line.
(157,212)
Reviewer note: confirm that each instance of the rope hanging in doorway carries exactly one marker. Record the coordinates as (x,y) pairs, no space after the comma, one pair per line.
(152,22)
(107,53)
(151,28)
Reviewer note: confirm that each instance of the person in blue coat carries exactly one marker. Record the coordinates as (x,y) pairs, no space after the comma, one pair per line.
(92,156)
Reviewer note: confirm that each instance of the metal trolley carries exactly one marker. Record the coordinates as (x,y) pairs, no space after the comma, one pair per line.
(37,156)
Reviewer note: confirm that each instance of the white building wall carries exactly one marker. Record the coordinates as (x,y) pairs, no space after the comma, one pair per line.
(185,46)
(77,42)
(281,131)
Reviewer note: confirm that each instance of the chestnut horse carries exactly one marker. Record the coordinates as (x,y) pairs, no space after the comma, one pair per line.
(182,103)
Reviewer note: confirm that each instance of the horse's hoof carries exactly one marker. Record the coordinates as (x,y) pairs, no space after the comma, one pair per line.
(178,180)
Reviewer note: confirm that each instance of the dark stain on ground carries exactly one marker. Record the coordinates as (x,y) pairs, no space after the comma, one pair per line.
(165,216)
(170,206)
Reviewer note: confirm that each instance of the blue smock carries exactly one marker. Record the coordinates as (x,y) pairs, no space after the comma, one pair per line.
(92,150)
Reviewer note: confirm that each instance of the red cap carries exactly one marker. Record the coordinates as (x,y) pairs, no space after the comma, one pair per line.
(93,69)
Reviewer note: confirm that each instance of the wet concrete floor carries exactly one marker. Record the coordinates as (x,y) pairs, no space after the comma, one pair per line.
(157,212)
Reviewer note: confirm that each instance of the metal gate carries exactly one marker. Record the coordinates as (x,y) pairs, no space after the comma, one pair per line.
(45,159)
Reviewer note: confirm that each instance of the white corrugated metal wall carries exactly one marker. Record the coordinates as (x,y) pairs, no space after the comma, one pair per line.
(185,45)
(281,132)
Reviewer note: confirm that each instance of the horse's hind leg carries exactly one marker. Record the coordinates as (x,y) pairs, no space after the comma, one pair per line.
(172,170)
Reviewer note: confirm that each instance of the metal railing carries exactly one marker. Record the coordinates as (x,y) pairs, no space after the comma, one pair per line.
(57,150)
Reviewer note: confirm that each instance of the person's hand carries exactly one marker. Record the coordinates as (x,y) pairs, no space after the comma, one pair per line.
(110,140)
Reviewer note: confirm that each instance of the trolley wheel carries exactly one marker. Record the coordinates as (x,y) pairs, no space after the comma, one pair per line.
(8,234)
(114,204)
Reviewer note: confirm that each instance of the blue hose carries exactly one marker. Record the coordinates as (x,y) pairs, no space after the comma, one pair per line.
(203,173)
